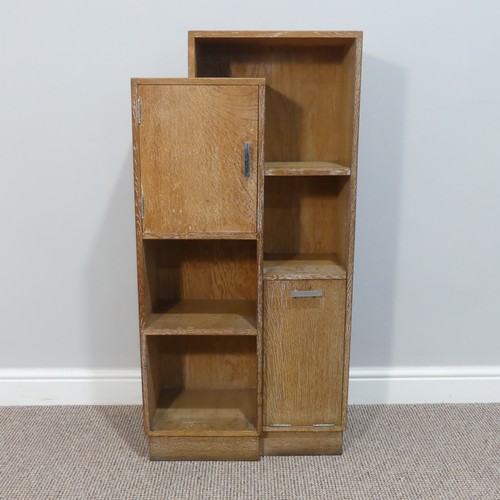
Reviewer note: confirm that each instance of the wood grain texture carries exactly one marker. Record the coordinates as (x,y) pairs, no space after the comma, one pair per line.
(303,348)
(307,93)
(144,302)
(201,270)
(301,428)
(303,266)
(191,152)
(201,412)
(304,215)
(204,448)
(204,317)
(202,82)
(300,168)
(215,235)
(302,443)
(355,55)
(289,37)
(260,255)
(205,362)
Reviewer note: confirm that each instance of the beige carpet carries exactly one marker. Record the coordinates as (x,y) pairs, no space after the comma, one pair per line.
(418,452)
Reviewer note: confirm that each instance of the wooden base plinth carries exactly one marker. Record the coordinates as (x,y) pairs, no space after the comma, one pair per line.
(302,443)
(203,448)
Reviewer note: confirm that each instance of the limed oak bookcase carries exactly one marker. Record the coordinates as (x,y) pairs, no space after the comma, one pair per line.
(245,189)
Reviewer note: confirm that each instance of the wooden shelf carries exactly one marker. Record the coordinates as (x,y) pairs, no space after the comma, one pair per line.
(302,267)
(206,412)
(199,236)
(204,317)
(299,168)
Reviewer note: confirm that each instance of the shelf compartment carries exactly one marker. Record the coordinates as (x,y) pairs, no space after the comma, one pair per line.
(310,86)
(307,215)
(304,168)
(303,266)
(222,412)
(201,385)
(200,287)
(204,317)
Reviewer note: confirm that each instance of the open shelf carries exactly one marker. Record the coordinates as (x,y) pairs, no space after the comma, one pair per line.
(200,287)
(300,168)
(199,385)
(222,412)
(305,226)
(310,83)
(303,266)
(204,317)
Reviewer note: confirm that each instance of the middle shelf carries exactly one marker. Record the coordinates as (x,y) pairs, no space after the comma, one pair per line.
(204,317)
(303,266)
(200,287)
(305,168)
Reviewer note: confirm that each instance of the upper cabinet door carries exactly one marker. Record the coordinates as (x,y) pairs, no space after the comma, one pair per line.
(198,156)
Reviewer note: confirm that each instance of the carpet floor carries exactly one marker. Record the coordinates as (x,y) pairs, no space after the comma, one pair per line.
(390,451)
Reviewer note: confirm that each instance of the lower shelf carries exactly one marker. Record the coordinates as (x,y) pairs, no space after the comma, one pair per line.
(303,266)
(204,317)
(206,412)
(300,168)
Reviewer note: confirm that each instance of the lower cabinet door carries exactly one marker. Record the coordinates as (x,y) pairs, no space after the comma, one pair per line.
(304,352)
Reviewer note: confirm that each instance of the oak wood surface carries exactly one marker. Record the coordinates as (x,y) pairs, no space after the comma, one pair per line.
(303,353)
(205,362)
(201,269)
(296,168)
(215,235)
(305,215)
(199,82)
(204,317)
(302,266)
(197,412)
(354,56)
(204,448)
(302,443)
(308,94)
(312,113)
(191,154)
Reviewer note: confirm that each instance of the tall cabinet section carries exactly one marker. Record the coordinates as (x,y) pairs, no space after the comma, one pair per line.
(310,153)
(198,164)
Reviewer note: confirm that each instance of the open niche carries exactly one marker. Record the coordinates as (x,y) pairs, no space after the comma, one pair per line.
(309,95)
(199,385)
(305,227)
(201,287)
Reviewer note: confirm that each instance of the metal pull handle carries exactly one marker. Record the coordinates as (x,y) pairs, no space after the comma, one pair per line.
(247,159)
(296,294)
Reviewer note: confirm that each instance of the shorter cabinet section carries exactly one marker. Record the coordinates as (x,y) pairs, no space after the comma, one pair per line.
(304,352)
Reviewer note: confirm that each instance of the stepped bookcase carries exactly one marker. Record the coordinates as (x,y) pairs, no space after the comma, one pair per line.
(245,191)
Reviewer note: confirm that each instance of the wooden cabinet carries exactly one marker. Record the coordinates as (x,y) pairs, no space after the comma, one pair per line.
(192,142)
(245,185)
(303,349)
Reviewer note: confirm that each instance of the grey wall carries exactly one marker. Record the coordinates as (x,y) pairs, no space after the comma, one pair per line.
(428,240)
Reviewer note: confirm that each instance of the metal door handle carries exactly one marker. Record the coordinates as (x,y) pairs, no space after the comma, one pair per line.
(247,159)
(296,294)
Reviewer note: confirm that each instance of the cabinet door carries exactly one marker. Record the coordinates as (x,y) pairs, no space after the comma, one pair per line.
(303,349)
(192,141)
